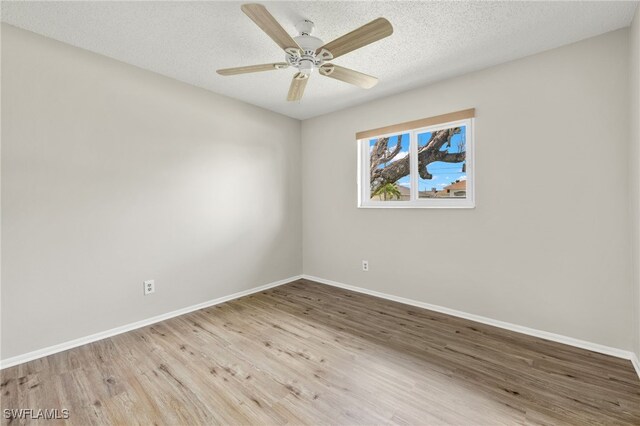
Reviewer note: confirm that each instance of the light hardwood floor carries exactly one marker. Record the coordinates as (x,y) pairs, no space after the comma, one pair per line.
(306,353)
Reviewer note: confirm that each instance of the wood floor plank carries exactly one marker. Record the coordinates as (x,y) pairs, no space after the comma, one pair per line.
(306,353)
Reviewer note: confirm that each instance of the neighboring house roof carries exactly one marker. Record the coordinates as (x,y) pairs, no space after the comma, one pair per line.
(460,185)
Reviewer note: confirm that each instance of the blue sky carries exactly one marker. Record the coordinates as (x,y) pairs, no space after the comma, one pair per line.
(443,173)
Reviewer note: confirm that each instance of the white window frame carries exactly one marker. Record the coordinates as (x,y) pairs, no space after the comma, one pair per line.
(364,192)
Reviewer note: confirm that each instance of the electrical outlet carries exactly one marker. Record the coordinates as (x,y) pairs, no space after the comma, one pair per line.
(149,287)
(365,265)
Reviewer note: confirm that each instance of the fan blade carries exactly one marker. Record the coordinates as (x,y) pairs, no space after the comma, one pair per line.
(261,16)
(366,34)
(296,90)
(253,68)
(348,76)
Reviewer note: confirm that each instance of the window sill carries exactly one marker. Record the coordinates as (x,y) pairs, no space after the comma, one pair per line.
(417,205)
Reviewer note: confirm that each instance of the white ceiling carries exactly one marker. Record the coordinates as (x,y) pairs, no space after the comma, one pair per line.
(431,41)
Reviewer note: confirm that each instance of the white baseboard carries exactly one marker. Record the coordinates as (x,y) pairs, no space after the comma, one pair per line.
(30,356)
(636,363)
(595,347)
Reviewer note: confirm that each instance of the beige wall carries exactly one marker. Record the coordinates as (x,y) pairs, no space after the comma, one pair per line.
(112,175)
(547,246)
(634,54)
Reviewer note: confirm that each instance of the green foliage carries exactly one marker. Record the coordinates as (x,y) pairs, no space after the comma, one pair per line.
(388,191)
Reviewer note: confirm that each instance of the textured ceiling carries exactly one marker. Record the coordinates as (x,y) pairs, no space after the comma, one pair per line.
(432,40)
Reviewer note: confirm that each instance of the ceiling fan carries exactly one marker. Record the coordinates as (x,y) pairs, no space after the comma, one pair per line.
(307,53)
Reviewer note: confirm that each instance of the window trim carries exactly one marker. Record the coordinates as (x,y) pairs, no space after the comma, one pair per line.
(418,124)
(364,199)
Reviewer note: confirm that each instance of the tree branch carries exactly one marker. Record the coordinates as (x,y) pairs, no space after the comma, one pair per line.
(377,153)
(444,156)
(427,154)
(439,138)
(380,154)
(390,155)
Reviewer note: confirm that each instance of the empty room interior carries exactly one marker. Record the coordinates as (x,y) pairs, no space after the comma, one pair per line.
(306,212)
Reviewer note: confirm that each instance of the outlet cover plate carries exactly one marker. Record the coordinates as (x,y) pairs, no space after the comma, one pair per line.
(149,287)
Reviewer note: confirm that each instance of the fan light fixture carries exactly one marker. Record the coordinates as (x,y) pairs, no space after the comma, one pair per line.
(307,53)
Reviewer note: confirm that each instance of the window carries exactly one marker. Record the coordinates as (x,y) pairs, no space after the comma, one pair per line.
(428,166)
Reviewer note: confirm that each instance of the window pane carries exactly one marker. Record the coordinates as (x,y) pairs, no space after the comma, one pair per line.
(389,168)
(442,163)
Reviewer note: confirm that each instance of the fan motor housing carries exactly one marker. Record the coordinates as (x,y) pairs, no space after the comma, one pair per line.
(308,42)
(306,59)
